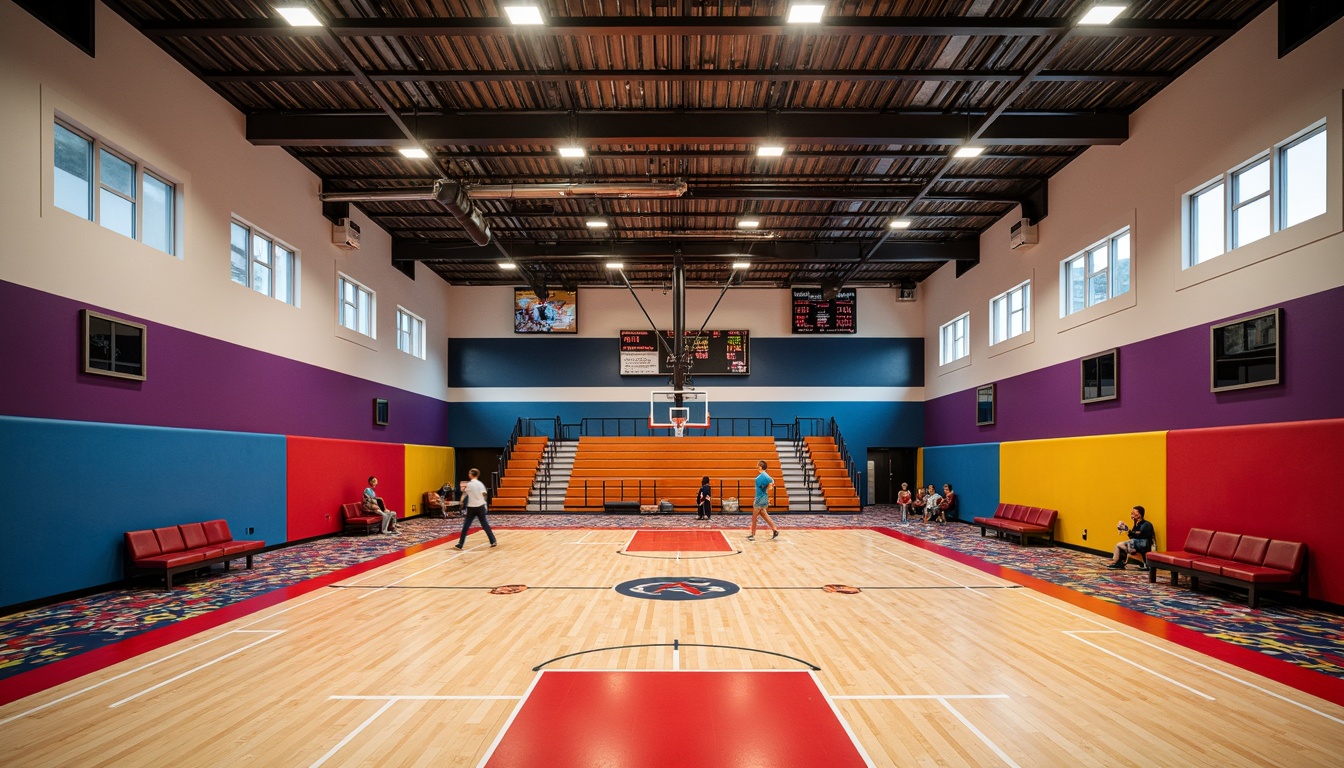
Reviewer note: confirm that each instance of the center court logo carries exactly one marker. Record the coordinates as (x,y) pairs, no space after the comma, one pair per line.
(674,588)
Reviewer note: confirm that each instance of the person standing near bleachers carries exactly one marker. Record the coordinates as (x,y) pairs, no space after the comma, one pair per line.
(760,508)
(702,501)
(473,506)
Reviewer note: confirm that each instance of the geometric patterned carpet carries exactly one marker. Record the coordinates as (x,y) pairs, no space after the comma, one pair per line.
(1306,637)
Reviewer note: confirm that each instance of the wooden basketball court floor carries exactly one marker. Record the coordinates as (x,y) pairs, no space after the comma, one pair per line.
(416,663)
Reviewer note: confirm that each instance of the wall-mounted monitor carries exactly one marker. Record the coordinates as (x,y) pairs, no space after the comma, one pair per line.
(559,313)
(1247,352)
(984,405)
(1101,377)
(113,347)
(380,412)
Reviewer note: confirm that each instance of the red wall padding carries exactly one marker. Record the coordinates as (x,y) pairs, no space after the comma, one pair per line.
(1281,481)
(323,474)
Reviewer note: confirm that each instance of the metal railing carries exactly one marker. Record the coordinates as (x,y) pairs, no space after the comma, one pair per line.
(645,490)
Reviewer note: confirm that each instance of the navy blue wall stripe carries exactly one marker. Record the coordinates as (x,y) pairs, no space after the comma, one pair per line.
(789,361)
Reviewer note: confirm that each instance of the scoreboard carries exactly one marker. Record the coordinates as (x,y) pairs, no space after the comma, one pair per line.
(813,314)
(723,353)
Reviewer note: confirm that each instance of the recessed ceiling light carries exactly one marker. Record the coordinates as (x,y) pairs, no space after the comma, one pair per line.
(1102,14)
(298,16)
(506,265)
(415,153)
(524,15)
(769,150)
(968,151)
(741,265)
(572,152)
(615,265)
(805,13)
(899,224)
(748,223)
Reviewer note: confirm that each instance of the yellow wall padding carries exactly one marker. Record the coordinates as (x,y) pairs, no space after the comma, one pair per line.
(427,468)
(1093,481)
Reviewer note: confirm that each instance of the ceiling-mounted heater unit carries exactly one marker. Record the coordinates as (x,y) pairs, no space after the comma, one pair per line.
(345,234)
(905,293)
(1022,234)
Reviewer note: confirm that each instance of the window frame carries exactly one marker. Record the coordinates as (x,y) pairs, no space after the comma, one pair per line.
(97,186)
(962,321)
(1024,289)
(273,244)
(417,342)
(371,314)
(1230,205)
(1111,244)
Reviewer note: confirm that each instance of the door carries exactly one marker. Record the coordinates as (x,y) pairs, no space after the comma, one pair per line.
(890,467)
(484,459)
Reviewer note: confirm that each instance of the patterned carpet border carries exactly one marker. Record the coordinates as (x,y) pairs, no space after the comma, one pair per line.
(1309,638)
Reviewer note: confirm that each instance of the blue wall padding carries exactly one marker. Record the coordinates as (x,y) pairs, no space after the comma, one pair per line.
(792,361)
(74,487)
(973,471)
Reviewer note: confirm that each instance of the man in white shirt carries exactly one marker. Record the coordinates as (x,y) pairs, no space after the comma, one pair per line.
(473,506)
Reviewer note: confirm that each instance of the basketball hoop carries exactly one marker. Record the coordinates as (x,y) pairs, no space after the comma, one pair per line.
(678,426)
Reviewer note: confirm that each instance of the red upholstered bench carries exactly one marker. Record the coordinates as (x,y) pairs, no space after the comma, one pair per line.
(1252,562)
(1021,521)
(358,522)
(187,547)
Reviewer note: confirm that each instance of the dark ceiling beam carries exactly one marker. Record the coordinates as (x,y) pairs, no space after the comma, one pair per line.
(693,26)
(708,127)
(686,76)
(321,153)
(390,219)
(967,249)
(359,180)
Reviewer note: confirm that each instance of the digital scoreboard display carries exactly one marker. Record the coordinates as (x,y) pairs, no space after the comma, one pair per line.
(713,353)
(813,314)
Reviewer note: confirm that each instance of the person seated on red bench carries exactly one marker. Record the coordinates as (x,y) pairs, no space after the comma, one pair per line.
(445,498)
(1141,535)
(373,505)
(947,505)
(931,502)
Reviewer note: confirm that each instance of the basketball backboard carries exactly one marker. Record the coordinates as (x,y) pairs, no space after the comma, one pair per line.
(667,407)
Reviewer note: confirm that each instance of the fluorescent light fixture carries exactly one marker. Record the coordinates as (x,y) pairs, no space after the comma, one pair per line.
(805,13)
(615,265)
(572,152)
(741,265)
(769,150)
(415,153)
(524,15)
(597,223)
(298,16)
(748,223)
(968,151)
(1104,13)
(899,224)
(507,265)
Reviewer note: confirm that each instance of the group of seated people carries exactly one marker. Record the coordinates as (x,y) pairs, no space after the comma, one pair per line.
(928,503)
(373,504)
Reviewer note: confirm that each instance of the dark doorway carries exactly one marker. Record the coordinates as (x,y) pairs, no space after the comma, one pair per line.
(484,459)
(891,467)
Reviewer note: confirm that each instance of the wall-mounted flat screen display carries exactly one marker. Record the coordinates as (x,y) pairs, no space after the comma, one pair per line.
(723,353)
(814,314)
(559,313)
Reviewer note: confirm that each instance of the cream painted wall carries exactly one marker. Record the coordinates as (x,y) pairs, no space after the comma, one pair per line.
(486,312)
(138,99)
(1239,101)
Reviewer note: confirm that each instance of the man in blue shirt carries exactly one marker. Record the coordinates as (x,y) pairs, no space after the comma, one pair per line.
(764,484)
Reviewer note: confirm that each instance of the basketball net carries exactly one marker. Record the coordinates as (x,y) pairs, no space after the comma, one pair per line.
(678,426)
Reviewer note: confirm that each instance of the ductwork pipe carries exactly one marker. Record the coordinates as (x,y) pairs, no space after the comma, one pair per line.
(447,193)
(562,190)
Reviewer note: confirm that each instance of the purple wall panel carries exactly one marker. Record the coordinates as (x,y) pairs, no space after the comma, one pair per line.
(194,382)
(1164,384)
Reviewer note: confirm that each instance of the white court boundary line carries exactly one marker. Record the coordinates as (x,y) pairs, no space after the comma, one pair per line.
(943,699)
(1154,646)
(1074,633)
(490,751)
(830,702)
(271,634)
(450,558)
(971,588)
(389,701)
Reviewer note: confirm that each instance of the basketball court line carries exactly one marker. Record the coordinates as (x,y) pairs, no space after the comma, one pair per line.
(130,672)
(389,702)
(271,635)
(1074,633)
